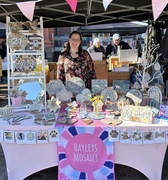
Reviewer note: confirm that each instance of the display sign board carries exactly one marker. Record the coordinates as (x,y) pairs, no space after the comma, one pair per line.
(137,113)
(91,158)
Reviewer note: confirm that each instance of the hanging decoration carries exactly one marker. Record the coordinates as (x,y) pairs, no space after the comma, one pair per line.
(72,4)
(158,6)
(28,12)
(106,3)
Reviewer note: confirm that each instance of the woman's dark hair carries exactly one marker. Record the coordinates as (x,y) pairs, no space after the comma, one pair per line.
(80,46)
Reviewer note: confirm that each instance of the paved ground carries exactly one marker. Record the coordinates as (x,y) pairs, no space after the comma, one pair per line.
(122,172)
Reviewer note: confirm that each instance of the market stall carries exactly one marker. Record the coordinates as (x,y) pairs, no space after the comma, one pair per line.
(132,128)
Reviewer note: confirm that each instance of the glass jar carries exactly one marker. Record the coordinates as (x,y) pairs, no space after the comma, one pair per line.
(83,108)
(47,71)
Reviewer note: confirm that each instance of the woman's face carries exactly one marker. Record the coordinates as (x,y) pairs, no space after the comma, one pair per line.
(97,45)
(74,41)
(116,42)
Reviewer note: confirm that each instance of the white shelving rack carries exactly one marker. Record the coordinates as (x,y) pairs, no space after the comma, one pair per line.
(13,75)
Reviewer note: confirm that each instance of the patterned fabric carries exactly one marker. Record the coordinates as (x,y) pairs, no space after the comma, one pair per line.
(81,67)
(85,153)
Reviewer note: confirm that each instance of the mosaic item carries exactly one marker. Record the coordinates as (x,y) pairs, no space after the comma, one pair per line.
(25,63)
(17,41)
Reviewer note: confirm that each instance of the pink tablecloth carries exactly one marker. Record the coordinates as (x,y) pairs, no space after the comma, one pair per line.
(23,160)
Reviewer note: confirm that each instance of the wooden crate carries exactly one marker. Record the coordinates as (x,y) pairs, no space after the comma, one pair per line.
(117,76)
(101,69)
(114,60)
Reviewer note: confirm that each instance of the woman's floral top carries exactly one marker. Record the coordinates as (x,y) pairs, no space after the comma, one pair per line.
(82,67)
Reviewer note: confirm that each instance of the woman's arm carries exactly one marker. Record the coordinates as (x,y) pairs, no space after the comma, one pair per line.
(60,69)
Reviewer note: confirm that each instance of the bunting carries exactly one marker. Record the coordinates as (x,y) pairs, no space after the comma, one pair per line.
(158,6)
(106,3)
(27,8)
(72,4)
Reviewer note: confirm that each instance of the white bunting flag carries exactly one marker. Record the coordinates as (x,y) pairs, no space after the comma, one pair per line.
(27,8)
(158,6)
(106,3)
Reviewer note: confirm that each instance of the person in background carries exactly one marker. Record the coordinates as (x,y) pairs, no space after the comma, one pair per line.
(4,49)
(137,45)
(112,49)
(97,47)
(75,61)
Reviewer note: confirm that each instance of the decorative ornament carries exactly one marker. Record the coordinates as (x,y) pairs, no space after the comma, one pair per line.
(152,103)
(109,95)
(31,26)
(16,26)
(54,87)
(136,85)
(123,101)
(75,85)
(6,111)
(157,66)
(64,95)
(54,104)
(147,76)
(25,63)
(17,41)
(84,97)
(36,107)
(72,107)
(35,42)
(145,64)
(135,95)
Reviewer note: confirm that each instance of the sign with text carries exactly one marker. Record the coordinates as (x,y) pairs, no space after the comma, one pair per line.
(85,153)
(137,113)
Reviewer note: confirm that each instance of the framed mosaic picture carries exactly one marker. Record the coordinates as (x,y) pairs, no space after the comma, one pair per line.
(121,86)
(98,85)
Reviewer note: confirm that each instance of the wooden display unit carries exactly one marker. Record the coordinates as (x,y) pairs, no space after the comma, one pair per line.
(117,76)
(113,63)
(101,69)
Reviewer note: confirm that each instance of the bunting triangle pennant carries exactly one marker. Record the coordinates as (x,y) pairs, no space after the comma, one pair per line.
(158,6)
(27,8)
(106,3)
(72,4)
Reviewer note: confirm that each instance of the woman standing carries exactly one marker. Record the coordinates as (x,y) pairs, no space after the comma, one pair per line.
(75,61)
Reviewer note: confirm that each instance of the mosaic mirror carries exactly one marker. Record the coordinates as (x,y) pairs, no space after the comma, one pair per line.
(33,87)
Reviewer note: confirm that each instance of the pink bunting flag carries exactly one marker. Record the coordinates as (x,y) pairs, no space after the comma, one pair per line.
(72,4)
(158,6)
(106,3)
(27,8)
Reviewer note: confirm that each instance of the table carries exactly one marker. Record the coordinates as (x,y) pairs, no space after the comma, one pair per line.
(24,160)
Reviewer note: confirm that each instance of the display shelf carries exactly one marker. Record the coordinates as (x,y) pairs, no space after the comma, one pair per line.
(24,77)
(24,47)
(26,53)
